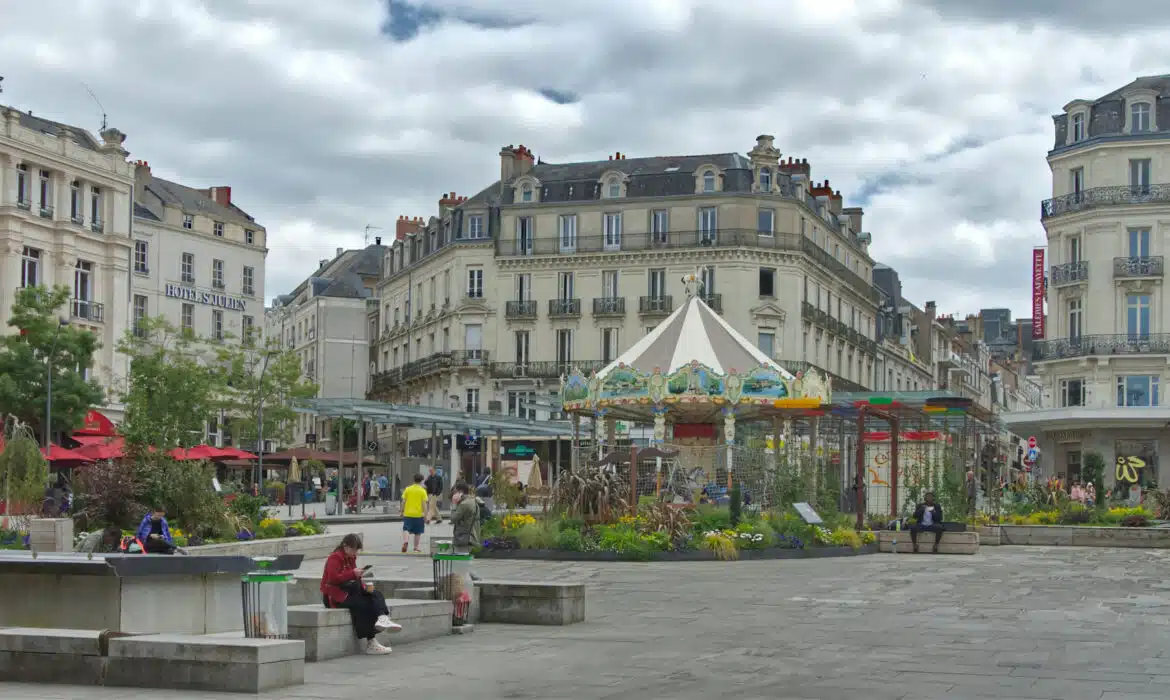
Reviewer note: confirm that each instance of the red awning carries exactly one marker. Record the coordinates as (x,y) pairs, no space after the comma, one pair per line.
(97,424)
(60,455)
(203,452)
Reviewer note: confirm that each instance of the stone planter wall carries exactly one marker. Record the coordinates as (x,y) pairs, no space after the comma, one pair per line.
(311,546)
(1077,536)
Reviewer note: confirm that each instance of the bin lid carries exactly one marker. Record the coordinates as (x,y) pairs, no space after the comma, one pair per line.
(263,577)
(452,557)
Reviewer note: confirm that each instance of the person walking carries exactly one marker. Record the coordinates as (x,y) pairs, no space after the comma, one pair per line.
(465,520)
(434,486)
(414,509)
(343,586)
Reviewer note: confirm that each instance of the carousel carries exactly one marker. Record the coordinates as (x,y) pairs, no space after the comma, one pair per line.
(694,378)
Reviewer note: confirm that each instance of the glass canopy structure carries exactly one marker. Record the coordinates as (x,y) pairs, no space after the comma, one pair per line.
(445,419)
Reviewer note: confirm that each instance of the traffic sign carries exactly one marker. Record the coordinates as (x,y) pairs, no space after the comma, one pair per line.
(1032,442)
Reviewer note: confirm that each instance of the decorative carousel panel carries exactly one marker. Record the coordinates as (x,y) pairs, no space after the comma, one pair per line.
(575,390)
(764,383)
(624,384)
(694,380)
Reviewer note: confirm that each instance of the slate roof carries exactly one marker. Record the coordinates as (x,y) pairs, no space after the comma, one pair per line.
(1158,83)
(342,277)
(190,201)
(81,136)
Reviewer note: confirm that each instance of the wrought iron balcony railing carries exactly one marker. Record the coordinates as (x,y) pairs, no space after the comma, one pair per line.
(1115,344)
(662,304)
(1138,266)
(564,307)
(88,310)
(609,306)
(1069,273)
(715,301)
(439,361)
(1104,197)
(97,226)
(46,211)
(543,369)
(520,309)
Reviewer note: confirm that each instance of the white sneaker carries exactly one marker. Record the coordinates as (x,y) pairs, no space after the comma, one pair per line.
(385,624)
(375,648)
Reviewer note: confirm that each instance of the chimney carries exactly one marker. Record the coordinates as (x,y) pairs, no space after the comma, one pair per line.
(854,214)
(835,201)
(339,252)
(507,163)
(222,195)
(377,240)
(142,178)
(931,310)
(449,200)
(765,141)
(821,190)
(524,160)
(406,225)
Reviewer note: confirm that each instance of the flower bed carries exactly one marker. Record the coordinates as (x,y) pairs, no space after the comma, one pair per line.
(664,532)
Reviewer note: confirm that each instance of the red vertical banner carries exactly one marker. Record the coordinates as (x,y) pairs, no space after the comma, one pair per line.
(1037,293)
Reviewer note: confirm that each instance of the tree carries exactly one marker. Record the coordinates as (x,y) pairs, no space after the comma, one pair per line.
(260,374)
(175,386)
(43,344)
(24,473)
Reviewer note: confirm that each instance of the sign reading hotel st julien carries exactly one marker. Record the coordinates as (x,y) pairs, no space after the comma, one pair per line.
(223,301)
(1037,293)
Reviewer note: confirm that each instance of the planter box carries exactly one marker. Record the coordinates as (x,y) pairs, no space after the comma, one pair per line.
(1084,536)
(311,546)
(697,555)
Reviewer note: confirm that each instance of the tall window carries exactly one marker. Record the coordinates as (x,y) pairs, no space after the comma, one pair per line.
(1137,315)
(765,179)
(475,283)
(217,324)
(217,229)
(1074,250)
(524,235)
(766,222)
(475,226)
(46,191)
(565,286)
(656,283)
(446,287)
(567,225)
(83,281)
(249,236)
(247,325)
(187,318)
(1076,181)
(1139,243)
(1078,127)
(526,193)
(613,231)
(75,202)
(659,225)
(1139,176)
(609,345)
(1137,390)
(473,340)
(1139,116)
(30,267)
(22,195)
(766,342)
(188,221)
(523,347)
(187,268)
(139,314)
(708,224)
(767,282)
(615,188)
(524,287)
(217,274)
(564,348)
(522,404)
(707,277)
(471,400)
(609,284)
(1074,319)
(709,181)
(95,206)
(249,285)
(141,257)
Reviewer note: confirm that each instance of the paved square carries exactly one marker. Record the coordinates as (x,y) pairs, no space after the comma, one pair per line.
(1009,623)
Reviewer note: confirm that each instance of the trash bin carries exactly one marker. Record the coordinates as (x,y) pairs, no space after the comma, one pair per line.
(452,577)
(331,503)
(265,601)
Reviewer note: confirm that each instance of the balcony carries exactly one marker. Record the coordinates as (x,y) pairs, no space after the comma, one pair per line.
(564,307)
(441,361)
(24,204)
(1104,197)
(542,370)
(715,301)
(656,305)
(1069,273)
(46,211)
(609,306)
(97,226)
(1137,266)
(816,316)
(87,310)
(385,382)
(79,221)
(520,309)
(681,240)
(1088,345)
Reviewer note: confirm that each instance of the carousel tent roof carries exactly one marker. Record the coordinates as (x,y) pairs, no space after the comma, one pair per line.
(694,333)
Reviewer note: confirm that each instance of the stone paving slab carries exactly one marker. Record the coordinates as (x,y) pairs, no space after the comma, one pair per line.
(1008,623)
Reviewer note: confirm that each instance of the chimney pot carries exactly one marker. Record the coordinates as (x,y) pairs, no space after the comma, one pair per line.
(377,240)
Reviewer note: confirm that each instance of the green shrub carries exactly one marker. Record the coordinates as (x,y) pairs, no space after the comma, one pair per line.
(625,540)
(570,540)
(270,529)
(536,535)
(1075,514)
(248,509)
(708,518)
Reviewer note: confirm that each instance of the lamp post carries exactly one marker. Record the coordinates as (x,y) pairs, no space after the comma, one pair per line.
(61,323)
(260,425)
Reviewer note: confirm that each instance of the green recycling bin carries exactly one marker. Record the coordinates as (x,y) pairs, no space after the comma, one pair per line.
(265,601)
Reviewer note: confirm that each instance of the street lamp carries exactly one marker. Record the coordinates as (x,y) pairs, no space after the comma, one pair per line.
(61,323)
(260,425)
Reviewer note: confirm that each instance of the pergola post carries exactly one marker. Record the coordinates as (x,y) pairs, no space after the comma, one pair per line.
(340,464)
(859,477)
(575,444)
(361,447)
(895,439)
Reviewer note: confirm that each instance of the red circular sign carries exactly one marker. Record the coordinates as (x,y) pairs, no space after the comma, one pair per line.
(1032,441)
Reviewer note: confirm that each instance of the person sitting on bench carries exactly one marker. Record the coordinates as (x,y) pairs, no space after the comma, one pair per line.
(928,517)
(343,586)
(154,534)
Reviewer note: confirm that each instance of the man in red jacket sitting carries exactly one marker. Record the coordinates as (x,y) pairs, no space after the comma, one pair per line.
(342,586)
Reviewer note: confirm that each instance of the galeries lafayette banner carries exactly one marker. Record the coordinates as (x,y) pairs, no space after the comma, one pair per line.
(1037,293)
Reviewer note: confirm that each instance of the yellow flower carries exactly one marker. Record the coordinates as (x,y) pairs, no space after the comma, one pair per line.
(515,521)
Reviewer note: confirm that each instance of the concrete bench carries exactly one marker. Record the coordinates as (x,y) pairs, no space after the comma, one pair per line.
(952,542)
(525,603)
(211,663)
(328,632)
(36,655)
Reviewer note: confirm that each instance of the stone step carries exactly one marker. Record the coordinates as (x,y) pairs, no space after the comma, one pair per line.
(205,662)
(328,632)
(418,593)
(952,542)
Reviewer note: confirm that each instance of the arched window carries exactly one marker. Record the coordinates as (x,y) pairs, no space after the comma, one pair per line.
(526,193)
(765,179)
(615,188)
(709,181)
(1139,116)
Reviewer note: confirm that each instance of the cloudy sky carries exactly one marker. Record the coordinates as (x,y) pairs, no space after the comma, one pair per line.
(326,117)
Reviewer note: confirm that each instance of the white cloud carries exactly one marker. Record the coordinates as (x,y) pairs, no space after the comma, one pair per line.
(938,115)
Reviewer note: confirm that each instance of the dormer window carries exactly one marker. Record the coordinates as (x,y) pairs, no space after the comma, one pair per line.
(526,193)
(615,188)
(709,181)
(1078,127)
(1139,117)
(765,180)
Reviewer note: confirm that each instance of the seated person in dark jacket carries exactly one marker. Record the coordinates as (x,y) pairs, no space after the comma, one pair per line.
(928,517)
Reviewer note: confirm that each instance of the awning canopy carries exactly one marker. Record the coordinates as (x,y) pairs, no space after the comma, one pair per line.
(424,417)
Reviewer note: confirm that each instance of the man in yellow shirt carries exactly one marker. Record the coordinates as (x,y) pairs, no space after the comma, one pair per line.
(414,510)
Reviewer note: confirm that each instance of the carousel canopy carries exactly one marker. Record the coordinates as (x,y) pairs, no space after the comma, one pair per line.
(694,333)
